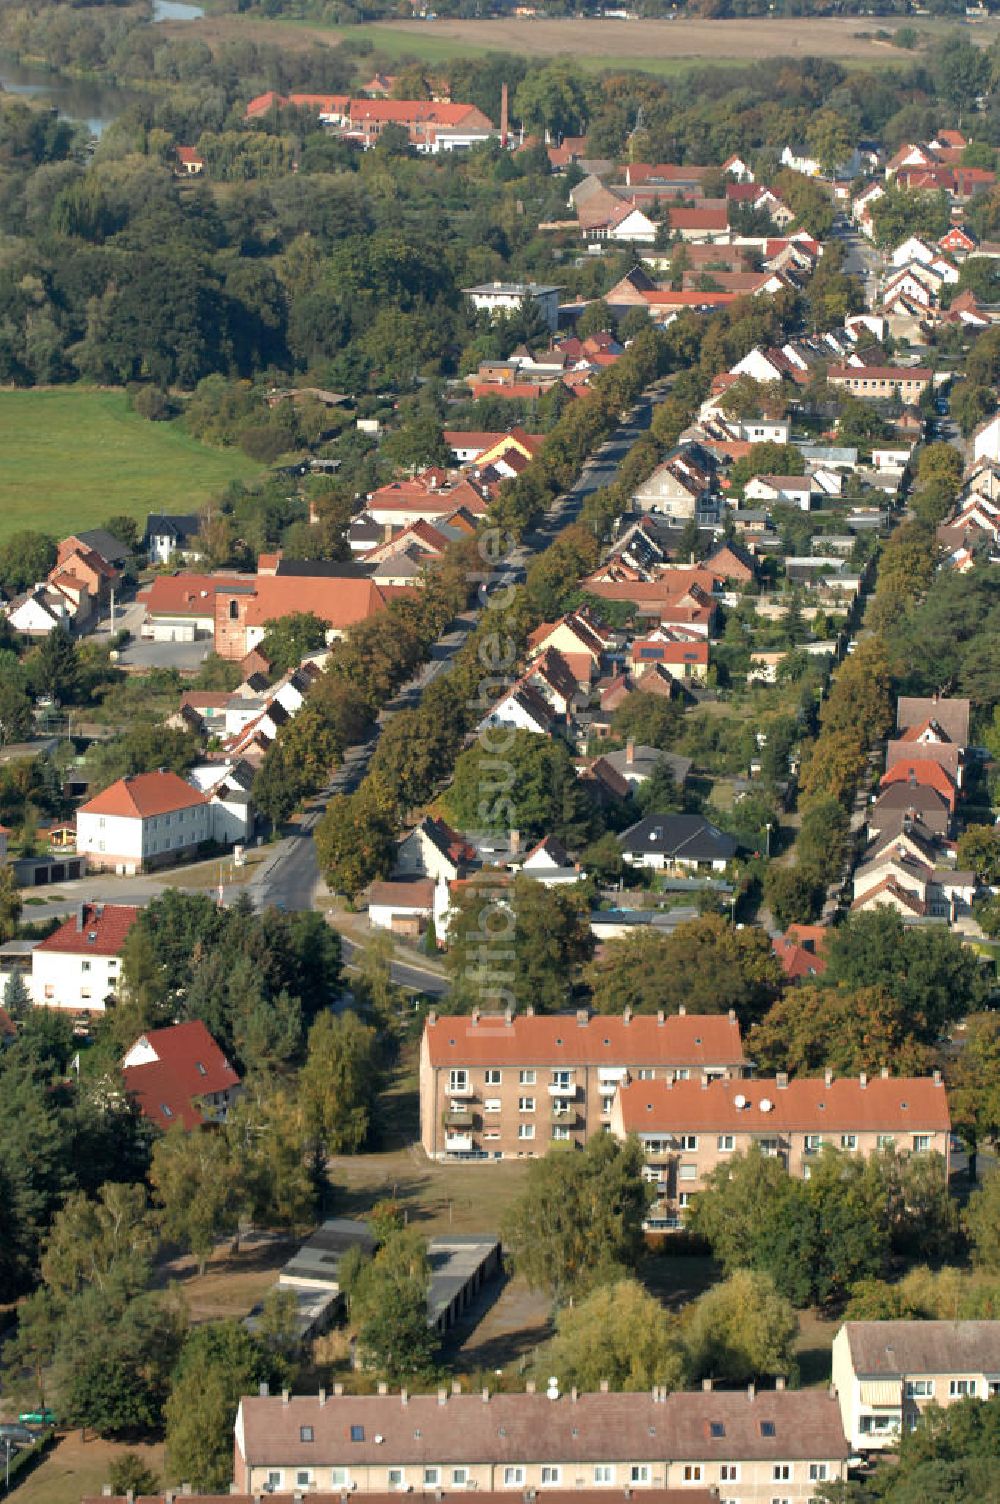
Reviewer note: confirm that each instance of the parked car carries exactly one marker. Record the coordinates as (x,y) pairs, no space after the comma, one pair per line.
(41,1417)
(20,1434)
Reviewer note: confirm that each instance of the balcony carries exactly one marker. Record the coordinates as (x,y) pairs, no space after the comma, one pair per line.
(560,1114)
(565,1090)
(458,1117)
(458,1143)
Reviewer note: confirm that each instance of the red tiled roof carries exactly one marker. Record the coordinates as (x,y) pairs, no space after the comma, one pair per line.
(880,373)
(564,1039)
(341,603)
(416,894)
(189,155)
(881,1105)
(187,594)
(143,795)
(95,930)
(7,1026)
(188,1065)
(923,770)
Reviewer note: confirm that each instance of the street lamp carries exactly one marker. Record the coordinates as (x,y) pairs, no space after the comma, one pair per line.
(767,849)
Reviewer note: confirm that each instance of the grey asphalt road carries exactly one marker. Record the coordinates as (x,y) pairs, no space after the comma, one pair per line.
(290,878)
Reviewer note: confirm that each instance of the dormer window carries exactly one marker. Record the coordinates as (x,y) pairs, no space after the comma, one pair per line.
(305,1433)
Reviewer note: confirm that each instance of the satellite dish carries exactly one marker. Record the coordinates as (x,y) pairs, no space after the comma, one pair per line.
(766,1104)
(739,1101)
(553,1390)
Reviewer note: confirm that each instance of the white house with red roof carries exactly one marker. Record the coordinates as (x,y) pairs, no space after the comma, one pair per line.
(148,820)
(180,1075)
(79,966)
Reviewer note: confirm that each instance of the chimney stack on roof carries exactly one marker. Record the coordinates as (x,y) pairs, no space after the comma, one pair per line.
(828,1077)
(751,1392)
(404,1398)
(383,1387)
(322,1398)
(779,1382)
(442,1395)
(706,1385)
(682,1010)
(486,1396)
(284,1396)
(660,1016)
(781,1080)
(627,1015)
(884,1073)
(863,1079)
(582,1017)
(338,1390)
(629,752)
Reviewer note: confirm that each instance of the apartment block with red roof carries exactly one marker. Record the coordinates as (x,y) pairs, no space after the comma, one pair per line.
(754,1445)
(180,1075)
(146,821)
(506,1086)
(687,1127)
(78,966)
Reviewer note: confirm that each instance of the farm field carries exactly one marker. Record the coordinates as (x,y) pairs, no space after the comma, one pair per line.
(663,47)
(73,456)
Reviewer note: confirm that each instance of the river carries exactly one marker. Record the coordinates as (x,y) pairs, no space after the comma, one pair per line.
(95,105)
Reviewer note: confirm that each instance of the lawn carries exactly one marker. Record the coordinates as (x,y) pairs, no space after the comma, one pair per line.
(74,456)
(75,1468)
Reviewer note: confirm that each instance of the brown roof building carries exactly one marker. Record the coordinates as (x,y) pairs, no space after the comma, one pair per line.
(519,1443)
(688,1128)
(494,1086)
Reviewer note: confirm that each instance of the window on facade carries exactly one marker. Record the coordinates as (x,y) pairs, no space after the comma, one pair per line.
(525,1104)
(560,1131)
(921,1143)
(920,1389)
(639,1472)
(684,1199)
(689,1141)
(687,1172)
(396,1476)
(551,1474)
(527,1078)
(781,1472)
(458,1081)
(817,1472)
(886,1141)
(848,1140)
(562,1078)
(958,1387)
(683,1074)
(84,965)
(813,1142)
(492,1077)
(303,1478)
(604,1473)
(646,1075)
(513,1477)
(273,1481)
(725,1143)
(432,1477)
(525,1130)
(729,1472)
(492,1104)
(692,1472)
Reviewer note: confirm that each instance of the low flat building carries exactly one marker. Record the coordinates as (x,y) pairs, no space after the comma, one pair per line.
(742,1444)
(887,1373)
(494,1086)
(688,1128)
